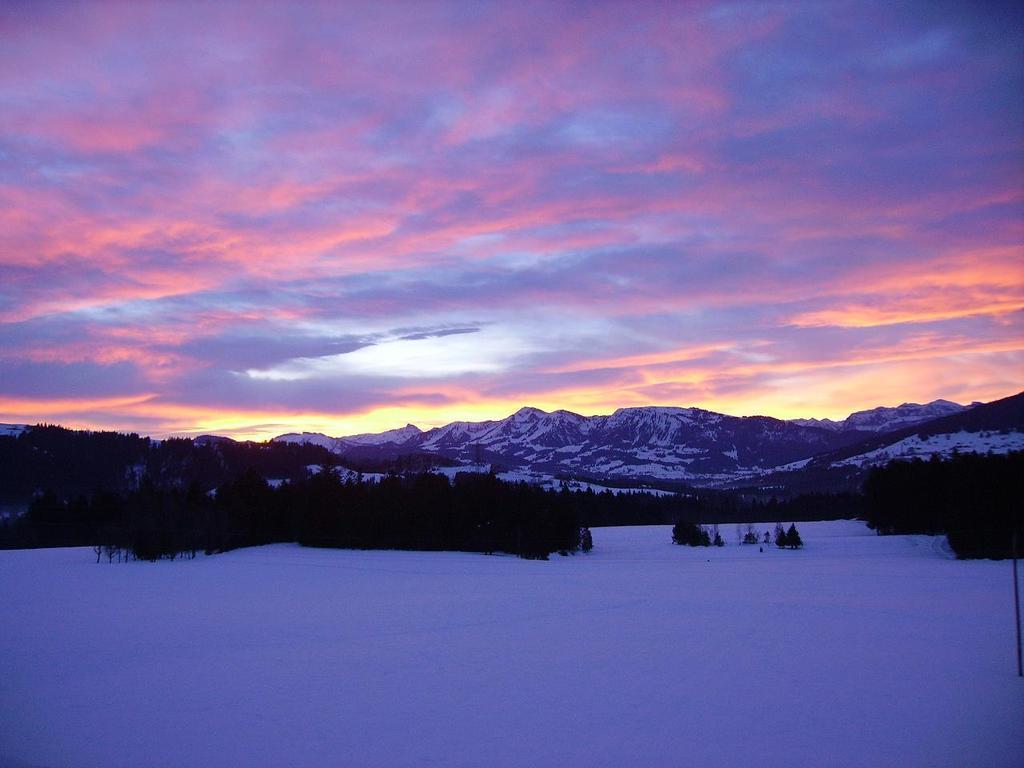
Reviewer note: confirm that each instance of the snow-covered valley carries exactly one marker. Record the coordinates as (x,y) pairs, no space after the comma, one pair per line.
(857,651)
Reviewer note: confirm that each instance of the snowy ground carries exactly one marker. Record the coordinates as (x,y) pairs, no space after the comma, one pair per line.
(552,483)
(858,651)
(917,447)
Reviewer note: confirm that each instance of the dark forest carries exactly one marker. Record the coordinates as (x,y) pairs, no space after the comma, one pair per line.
(157,499)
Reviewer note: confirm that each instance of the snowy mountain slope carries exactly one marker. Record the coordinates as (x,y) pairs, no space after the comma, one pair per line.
(885,419)
(12,430)
(996,427)
(692,445)
(918,447)
(835,426)
(455,434)
(333,444)
(669,443)
(397,437)
(683,444)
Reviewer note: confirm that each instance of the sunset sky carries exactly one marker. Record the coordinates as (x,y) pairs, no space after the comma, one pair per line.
(261,218)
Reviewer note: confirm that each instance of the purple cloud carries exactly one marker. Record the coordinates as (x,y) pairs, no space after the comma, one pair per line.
(738,200)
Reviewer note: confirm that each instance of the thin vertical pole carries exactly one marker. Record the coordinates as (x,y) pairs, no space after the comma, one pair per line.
(1016,603)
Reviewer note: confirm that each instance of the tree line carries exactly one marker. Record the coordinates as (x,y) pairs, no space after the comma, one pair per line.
(476,513)
(974,499)
(693,535)
(71,463)
(102,486)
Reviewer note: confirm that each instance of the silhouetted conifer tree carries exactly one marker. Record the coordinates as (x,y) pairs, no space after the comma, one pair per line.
(690,534)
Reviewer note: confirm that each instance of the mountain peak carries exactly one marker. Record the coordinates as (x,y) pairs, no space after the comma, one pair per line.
(668,443)
(667,410)
(528,412)
(398,436)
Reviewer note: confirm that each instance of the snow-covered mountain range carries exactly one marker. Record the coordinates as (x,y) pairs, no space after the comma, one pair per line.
(681,444)
(996,427)
(342,445)
(669,443)
(884,419)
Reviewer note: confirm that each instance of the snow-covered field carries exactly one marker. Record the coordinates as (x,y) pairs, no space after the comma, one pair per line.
(858,651)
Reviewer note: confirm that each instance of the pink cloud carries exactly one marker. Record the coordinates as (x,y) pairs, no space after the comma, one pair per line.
(692,179)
